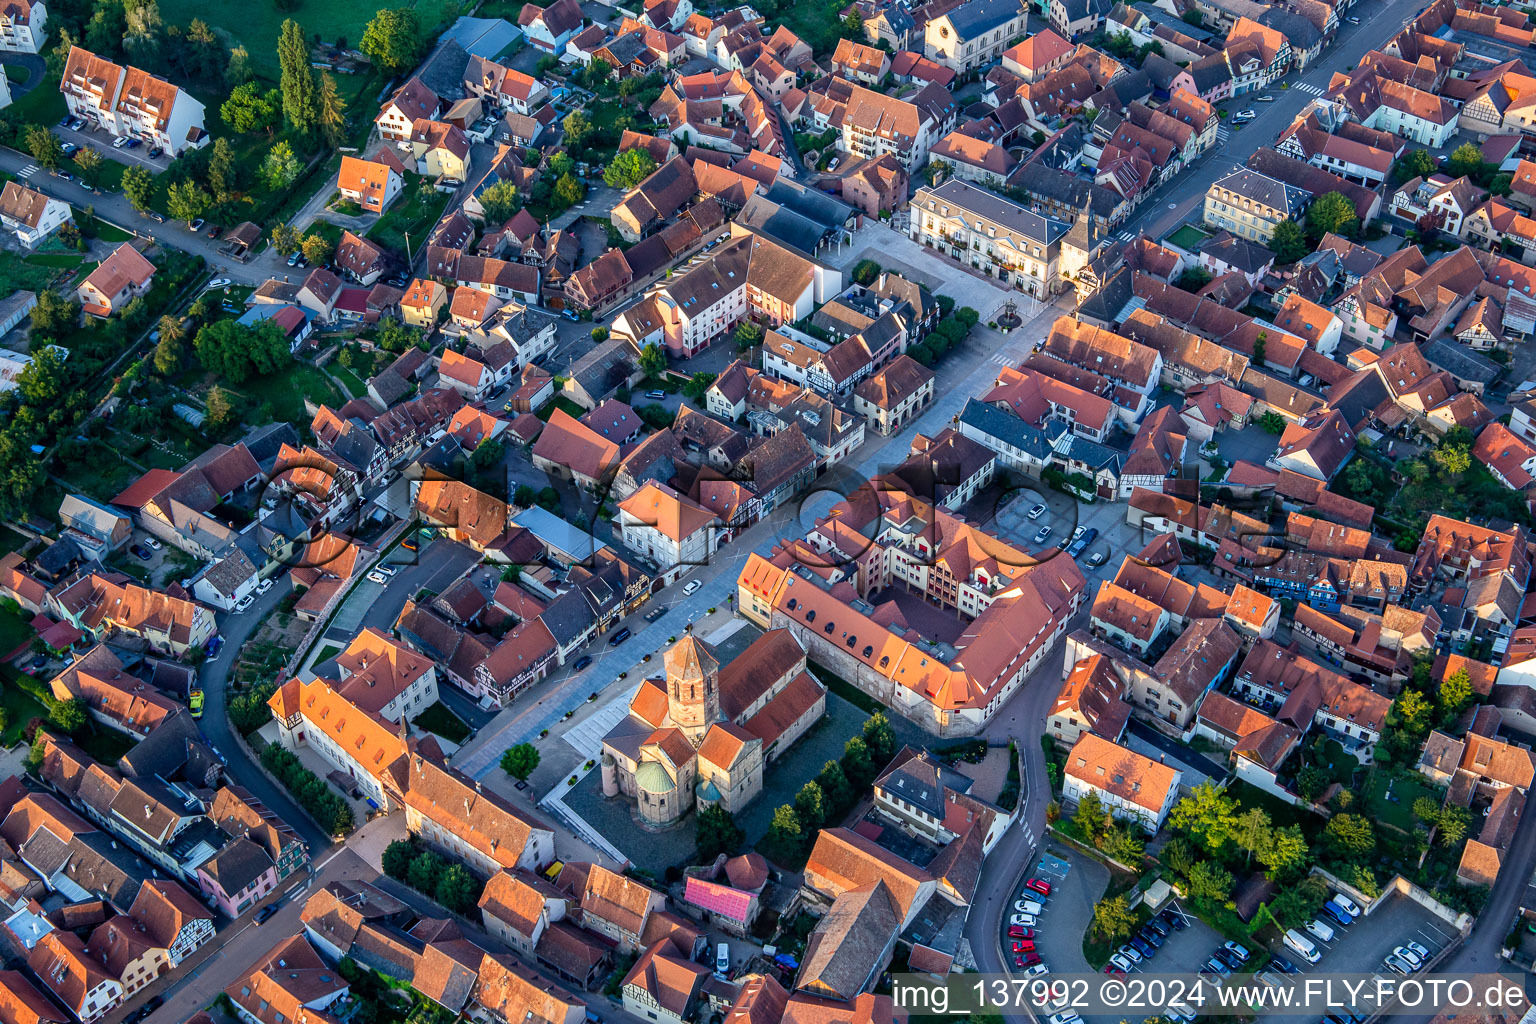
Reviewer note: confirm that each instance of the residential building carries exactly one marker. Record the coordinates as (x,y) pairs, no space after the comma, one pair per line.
(371,184)
(24,27)
(671,529)
(1251,205)
(992,234)
(123,276)
(128,102)
(1131,786)
(30,215)
(974,33)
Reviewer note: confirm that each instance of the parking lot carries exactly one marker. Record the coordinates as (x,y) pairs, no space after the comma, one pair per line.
(1363,946)
(1064,514)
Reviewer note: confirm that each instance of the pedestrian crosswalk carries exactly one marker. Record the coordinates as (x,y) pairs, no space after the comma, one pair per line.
(27,171)
(1309,89)
(1003,360)
(1222,135)
(1126,236)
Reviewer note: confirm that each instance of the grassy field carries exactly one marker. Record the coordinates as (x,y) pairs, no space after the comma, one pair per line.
(349,380)
(257,25)
(18,73)
(440,720)
(285,392)
(14,631)
(23,273)
(1397,810)
(20,707)
(412,215)
(1188,237)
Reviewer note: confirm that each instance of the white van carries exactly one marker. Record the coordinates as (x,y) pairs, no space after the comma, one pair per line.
(1321,929)
(723,959)
(1302,946)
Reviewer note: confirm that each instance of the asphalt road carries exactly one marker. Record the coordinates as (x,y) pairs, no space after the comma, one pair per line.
(1182,198)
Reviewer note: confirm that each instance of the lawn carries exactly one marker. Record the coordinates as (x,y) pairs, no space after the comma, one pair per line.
(20,707)
(22,273)
(14,631)
(61,260)
(422,205)
(43,105)
(18,73)
(440,720)
(560,402)
(349,380)
(1396,810)
(256,25)
(283,393)
(101,473)
(1188,237)
(104,744)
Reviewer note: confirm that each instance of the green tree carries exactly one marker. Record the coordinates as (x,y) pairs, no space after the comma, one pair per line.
(317,249)
(238,71)
(717,833)
(968,317)
(105,31)
(500,201)
(1454,459)
(653,360)
(205,56)
(1455,822)
(53,315)
(220,406)
(1123,845)
(393,39)
(1427,810)
(629,169)
(577,128)
(397,859)
(186,200)
(811,806)
(1289,242)
(520,761)
(1284,851)
(1250,831)
(856,763)
(1113,918)
(1272,423)
(1465,159)
(1260,344)
(168,351)
(457,889)
(223,174)
(865,272)
(425,870)
(251,109)
(698,386)
(1332,213)
(1350,836)
(1311,781)
(1089,816)
(1416,163)
(286,239)
(747,335)
(569,190)
(138,186)
(880,738)
(69,715)
(330,113)
(1455,694)
(1297,904)
(1209,882)
(235,351)
(1179,854)
(297,81)
(785,827)
(1208,815)
(89,163)
(280,166)
(835,785)
(45,147)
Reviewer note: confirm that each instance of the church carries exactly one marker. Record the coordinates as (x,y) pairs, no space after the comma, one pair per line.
(703,734)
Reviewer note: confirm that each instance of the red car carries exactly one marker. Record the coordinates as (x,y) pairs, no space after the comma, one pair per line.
(1027,960)
(1023,946)
(1113,970)
(1018,931)
(1039,885)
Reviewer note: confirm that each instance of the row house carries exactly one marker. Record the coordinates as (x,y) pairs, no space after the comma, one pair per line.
(132,103)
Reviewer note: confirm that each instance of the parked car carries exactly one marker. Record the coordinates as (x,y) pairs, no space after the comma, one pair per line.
(155,152)
(156,217)
(1302,945)
(140,552)
(1345,904)
(1283,965)
(1216,966)
(1266,98)
(583,662)
(656,396)
(619,637)
(218,282)
(135,143)
(1112,969)
(1353,21)
(1037,511)
(387,569)
(1142,946)
(1150,937)
(378,577)
(1131,953)
(244,603)
(69,149)
(1039,885)
(1395,963)
(1037,971)
(264,586)
(691,586)
(1321,929)
(1237,950)
(1173,919)
(1023,920)
(196,223)
(1157,925)
(1121,961)
(1227,957)
(1064,1018)
(1042,534)
(264,913)
(1023,946)
(572,317)
(1018,931)
(1028,906)
(195,703)
(1096,559)
(1408,957)
(213,231)
(1419,950)
(152,544)
(1337,916)
(119,142)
